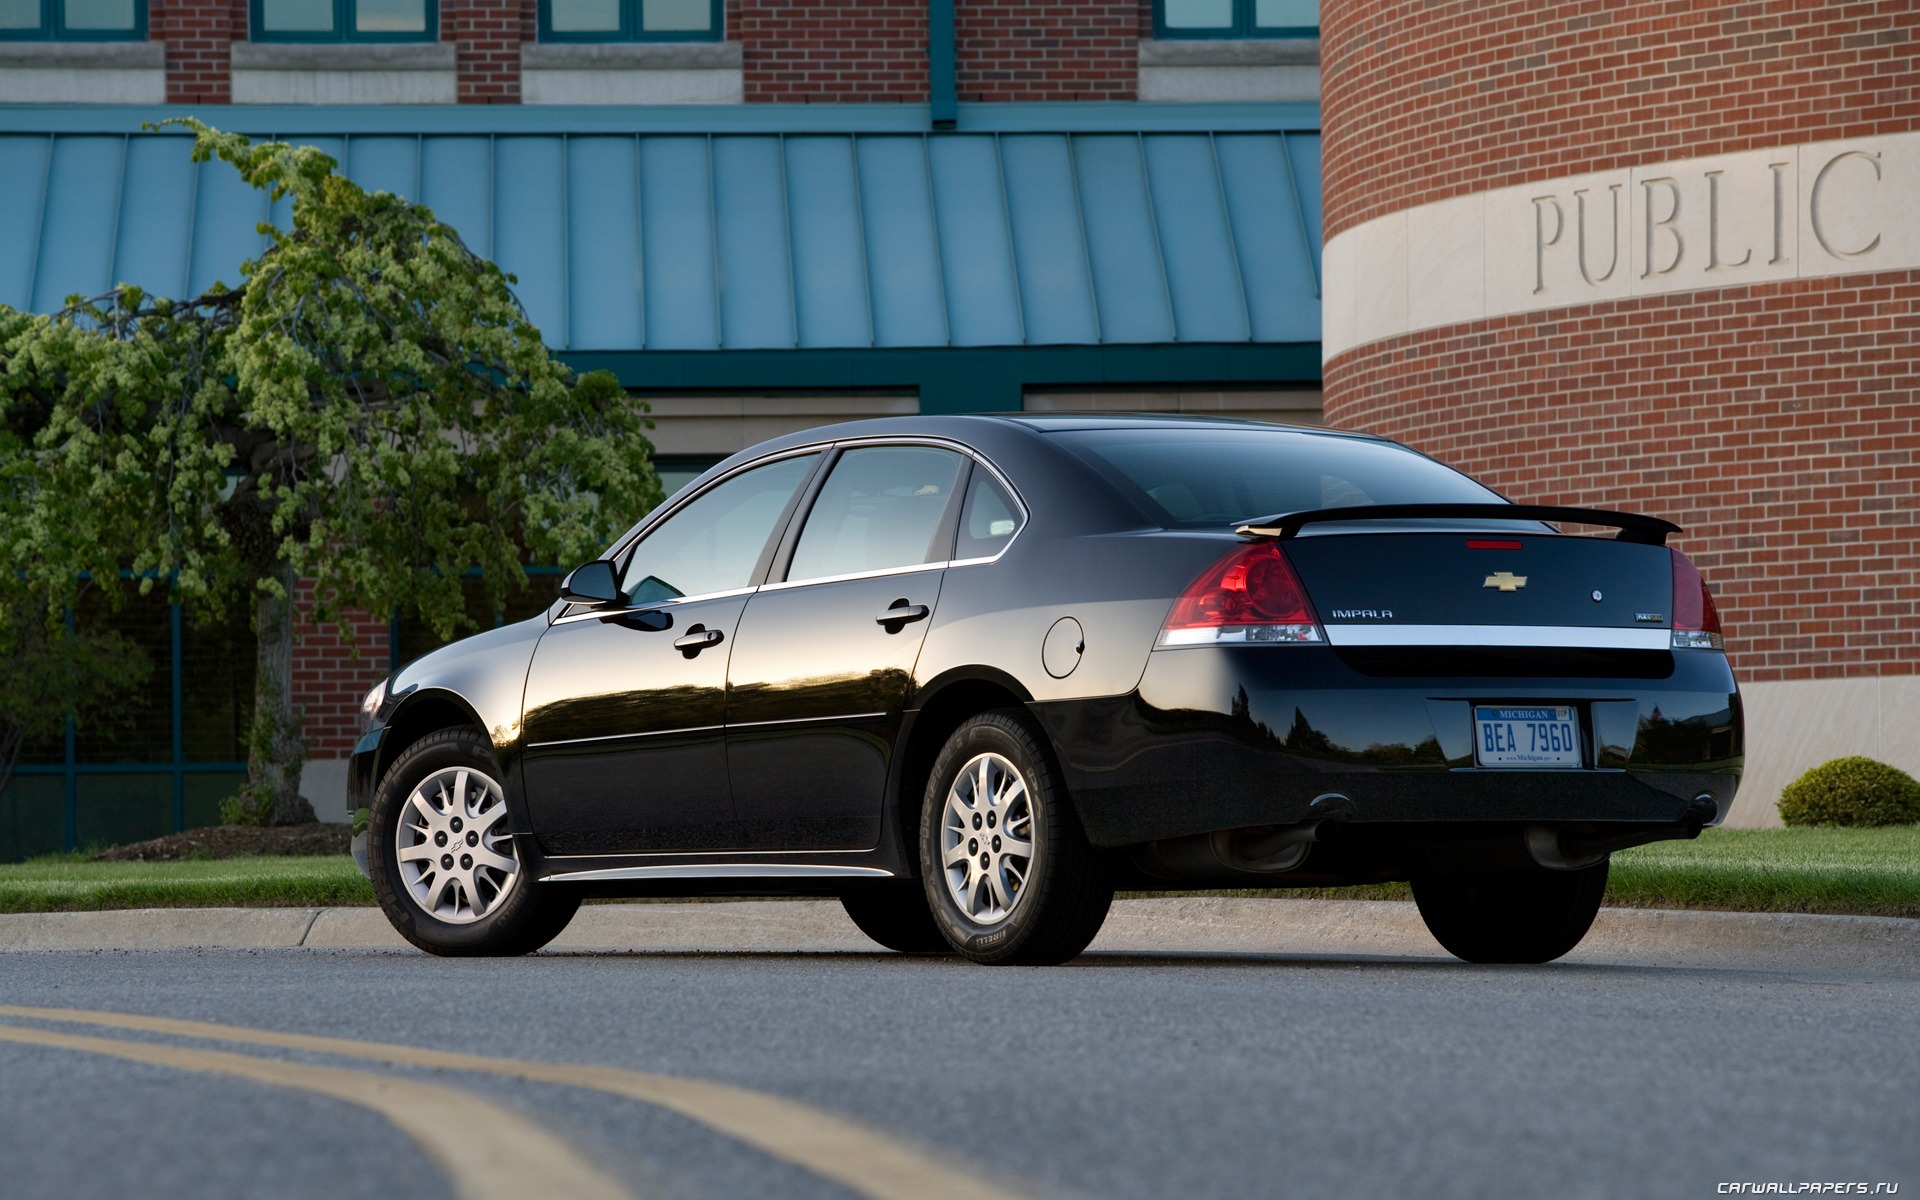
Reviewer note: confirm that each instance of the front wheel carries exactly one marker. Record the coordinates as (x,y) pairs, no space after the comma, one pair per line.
(443,863)
(1511,916)
(1008,872)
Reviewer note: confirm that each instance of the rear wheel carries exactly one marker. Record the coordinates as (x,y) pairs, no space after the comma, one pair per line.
(444,866)
(1008,872)
(896,916)
(1511,917)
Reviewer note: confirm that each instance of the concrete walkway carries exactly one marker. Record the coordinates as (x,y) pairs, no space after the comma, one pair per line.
(1198,925)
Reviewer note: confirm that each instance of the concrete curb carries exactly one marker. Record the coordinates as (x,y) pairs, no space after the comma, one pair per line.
(1191,925)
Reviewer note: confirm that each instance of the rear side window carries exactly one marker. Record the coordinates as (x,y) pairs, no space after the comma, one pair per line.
(882,507)
(1204,478)
(989,519)
(714,543)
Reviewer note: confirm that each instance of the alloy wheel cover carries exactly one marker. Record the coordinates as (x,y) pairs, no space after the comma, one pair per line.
(987,839)
(455,856)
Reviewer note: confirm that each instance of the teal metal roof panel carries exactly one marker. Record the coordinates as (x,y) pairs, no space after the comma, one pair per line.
(764,240)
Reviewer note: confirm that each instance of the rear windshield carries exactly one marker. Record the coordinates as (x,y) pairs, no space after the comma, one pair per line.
(1201,478)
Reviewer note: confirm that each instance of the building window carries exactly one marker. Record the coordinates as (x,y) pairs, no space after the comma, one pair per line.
(74,20)
(628,20)
(1236,18)
(343,20)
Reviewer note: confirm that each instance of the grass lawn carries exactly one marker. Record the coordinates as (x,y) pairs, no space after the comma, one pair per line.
(67,882)
(1873,872)
(1860,872)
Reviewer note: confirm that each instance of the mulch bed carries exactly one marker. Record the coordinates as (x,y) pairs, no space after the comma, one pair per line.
(235,841)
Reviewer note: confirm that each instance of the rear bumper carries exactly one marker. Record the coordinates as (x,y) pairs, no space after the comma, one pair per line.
(1218,738)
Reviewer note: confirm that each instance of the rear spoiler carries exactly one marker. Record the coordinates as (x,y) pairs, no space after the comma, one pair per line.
(1647,531)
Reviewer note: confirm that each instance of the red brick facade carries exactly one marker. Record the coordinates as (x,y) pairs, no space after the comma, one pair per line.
(198,34)
(329,683)
(1779,422)
(1430,100)
(1050,49)
(795,51)
(486,35)
(832,50)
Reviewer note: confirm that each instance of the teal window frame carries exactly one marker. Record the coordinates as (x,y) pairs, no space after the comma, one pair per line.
(1242,27)
(53,27)
(630,30)
(342,31)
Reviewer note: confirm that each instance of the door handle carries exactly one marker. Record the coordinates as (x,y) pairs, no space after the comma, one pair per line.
(897,617)
(696,639)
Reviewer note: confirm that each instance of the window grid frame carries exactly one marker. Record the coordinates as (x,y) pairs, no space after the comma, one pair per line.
(1242,29)
(630,31)
(343,32)
(52,27)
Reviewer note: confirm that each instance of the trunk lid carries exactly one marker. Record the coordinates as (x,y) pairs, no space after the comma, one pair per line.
(1501,589)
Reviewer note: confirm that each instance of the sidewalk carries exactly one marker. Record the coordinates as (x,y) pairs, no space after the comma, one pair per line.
(1196,925)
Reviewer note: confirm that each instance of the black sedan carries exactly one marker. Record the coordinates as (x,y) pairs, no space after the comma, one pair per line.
(972,674)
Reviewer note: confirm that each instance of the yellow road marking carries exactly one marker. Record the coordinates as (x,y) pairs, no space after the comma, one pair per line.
(833,1147)
(489,1153)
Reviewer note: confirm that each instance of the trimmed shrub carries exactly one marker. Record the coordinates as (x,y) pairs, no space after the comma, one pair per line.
(1852,791)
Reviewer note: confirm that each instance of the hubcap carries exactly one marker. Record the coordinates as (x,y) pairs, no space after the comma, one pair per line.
(455,855)
(986,839)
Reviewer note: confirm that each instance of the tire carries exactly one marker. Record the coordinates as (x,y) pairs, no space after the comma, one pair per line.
(1511,917)
(896,916)
(477,907)
(992,904)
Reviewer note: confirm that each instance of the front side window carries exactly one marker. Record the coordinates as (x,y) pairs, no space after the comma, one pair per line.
(344,20)
(714,542)
(629,20)
(74,20)
(1236,18)
(884,507)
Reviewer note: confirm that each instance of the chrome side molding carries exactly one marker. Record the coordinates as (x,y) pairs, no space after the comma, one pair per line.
(746,870)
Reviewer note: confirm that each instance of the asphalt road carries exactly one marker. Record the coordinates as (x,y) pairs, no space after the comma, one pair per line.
(1122,1075)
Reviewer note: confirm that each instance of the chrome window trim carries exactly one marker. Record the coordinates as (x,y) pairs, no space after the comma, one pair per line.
(721,871)
(1544,637)
(880,574)
(607,614)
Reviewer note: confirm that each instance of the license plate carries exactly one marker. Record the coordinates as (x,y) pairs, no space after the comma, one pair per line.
(1526,737)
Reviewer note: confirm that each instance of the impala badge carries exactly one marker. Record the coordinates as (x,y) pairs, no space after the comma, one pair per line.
(1506,581)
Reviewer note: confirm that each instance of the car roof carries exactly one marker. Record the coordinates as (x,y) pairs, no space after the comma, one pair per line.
(972,427)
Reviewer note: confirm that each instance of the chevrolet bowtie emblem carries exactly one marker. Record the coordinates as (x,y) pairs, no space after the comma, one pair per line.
(1506,581)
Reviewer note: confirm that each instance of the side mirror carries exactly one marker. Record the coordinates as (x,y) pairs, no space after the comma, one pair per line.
(591,583)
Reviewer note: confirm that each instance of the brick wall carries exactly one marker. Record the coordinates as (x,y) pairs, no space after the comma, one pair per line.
(1780,424)
(328,683)
(1010,50)
(198,34)
(486,35)
(831,50)
(1430,100)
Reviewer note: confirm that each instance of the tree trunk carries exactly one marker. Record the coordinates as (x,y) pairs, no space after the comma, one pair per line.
(275,750)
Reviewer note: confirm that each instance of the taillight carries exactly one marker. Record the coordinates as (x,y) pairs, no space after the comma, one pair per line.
(1250,595)
(1696,622)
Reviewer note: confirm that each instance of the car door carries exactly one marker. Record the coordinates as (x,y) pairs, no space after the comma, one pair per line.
(625,707)
(822,668)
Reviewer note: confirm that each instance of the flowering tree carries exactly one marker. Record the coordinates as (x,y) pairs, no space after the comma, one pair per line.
(369,409)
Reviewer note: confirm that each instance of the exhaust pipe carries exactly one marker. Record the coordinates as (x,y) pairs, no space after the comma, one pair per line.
(1271,851)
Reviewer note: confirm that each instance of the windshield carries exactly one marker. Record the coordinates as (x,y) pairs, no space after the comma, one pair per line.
(1207,478)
